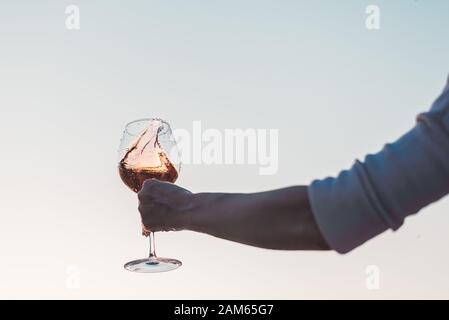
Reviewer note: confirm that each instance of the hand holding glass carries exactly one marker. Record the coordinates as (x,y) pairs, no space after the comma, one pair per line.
(148,150)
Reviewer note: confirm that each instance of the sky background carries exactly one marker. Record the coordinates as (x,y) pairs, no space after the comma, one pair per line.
(335,90)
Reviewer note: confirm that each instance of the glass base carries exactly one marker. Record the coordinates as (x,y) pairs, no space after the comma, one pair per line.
(151,265)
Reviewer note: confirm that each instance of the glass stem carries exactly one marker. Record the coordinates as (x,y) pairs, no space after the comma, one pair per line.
(152,245)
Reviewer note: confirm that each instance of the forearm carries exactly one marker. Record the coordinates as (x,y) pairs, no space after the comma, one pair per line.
(279,219)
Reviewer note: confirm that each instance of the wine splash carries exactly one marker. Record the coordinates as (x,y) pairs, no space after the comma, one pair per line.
(145,161)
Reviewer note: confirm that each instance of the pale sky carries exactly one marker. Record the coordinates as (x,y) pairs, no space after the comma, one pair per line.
(333,89)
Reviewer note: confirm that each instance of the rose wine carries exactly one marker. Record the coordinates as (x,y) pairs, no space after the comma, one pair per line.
(146,160)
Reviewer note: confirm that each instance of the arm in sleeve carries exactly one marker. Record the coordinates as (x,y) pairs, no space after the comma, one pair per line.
(378,193)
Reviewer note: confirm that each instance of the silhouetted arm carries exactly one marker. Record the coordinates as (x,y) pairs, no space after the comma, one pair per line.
(279,219)
(348,210)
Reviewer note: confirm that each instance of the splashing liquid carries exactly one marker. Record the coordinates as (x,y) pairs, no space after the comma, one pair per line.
(146,160)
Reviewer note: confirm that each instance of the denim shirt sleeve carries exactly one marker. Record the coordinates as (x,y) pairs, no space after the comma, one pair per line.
(378,193)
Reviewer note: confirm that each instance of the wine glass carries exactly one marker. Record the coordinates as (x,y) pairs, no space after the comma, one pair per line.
(148,150)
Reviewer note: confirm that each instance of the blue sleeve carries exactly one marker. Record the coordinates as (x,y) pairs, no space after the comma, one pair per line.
(378,193)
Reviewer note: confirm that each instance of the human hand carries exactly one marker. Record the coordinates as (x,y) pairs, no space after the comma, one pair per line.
(164,206)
